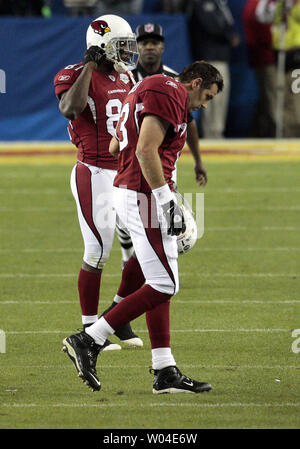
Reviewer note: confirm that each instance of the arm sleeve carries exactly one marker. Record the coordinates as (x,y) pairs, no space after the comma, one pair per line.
(64,79)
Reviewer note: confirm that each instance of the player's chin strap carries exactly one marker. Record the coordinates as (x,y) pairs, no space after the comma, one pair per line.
(121,67)
(131,77)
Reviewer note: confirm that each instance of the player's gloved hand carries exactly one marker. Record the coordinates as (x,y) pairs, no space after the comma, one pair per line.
(171,211)
(174,217)
(95,54)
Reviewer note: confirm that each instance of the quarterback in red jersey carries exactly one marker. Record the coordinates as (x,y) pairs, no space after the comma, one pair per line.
(158,95)
(150,135)
(150,40)
(90,95)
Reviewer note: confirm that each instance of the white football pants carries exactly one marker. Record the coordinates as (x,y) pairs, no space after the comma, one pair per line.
(156,251)
(92,189)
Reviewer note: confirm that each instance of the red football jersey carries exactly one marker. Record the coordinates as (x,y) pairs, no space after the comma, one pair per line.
(159,95)
(93,129)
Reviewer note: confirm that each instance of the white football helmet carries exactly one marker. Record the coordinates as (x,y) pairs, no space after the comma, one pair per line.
(115,37)
(187,239)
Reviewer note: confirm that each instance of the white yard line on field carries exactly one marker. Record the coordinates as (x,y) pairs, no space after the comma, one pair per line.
(156,404)
(41,175)
(184,365)
(207,208)
(240,249)
(37,209)
(253,190)
(20,192)
(207,228)
(218,249)
(177,301)
(251,208)
(251,228)
(113,275)
(241,330)
(227,190)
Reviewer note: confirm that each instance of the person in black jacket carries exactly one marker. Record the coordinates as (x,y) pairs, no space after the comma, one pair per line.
(212,38)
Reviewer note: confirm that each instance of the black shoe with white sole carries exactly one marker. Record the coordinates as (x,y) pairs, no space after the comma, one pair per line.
(127,336)
(125,333)
(108,345)
(83,351)
(171,380)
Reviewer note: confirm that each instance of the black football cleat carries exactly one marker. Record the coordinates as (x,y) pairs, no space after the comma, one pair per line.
(127,336)
(125,333)
(170,380)
(83,351)
(108,345)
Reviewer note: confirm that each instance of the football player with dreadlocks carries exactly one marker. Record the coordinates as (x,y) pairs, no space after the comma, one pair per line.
(90,95)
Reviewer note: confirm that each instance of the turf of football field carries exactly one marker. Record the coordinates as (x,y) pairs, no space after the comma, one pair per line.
(232,320)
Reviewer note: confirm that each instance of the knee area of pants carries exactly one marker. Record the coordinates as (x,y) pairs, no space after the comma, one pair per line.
(168,289)
(95,261)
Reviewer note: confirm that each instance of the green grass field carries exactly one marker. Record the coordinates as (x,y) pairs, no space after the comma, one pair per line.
(232,320)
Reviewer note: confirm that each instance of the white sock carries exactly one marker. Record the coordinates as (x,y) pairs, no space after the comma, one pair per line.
(161,358)
(118,299)
(100,330)
(87,319)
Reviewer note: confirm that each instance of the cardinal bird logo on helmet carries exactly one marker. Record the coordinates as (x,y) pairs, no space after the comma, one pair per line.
(100,27)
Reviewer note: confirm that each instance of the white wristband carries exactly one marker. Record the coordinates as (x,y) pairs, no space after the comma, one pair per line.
(163,194)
